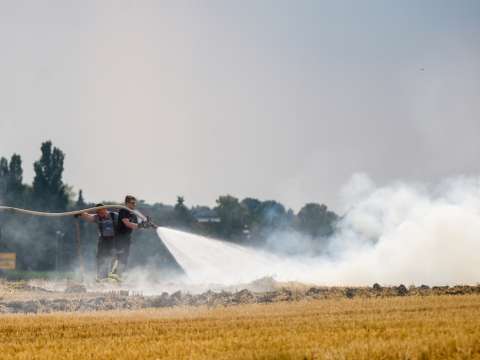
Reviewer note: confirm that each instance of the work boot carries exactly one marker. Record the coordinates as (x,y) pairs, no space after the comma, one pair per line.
(114,277)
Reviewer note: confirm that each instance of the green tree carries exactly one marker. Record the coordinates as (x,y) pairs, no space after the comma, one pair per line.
(183,216)
(15,185)
(3,178)
(49,191)
(162,214)
(316,221)
(232,216)
(251,206)
(80,203)
(11,178)
(271,214)
(15,171)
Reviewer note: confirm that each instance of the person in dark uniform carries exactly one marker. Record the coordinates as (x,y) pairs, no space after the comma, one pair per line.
(107,223)
(127,222)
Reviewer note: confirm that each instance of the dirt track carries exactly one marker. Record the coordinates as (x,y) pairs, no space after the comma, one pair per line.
(22,297)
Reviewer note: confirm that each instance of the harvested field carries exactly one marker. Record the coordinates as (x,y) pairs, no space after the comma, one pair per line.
(410,327)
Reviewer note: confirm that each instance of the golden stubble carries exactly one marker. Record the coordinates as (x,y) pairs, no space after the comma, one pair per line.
(430,327)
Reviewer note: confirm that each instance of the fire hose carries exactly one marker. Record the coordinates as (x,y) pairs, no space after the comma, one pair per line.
(70,213)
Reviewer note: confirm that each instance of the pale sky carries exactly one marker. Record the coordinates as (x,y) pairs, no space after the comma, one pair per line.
(279,100)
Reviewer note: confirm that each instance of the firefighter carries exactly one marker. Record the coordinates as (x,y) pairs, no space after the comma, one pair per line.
(127,222)
(107,223)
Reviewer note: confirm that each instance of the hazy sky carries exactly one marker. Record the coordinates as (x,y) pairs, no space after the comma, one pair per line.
(273,99)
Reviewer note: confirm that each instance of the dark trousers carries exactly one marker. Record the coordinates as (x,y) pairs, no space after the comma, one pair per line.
(122,250)
(105,255)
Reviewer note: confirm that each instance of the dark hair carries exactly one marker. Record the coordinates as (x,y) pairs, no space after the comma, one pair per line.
(129,198)
(99,204)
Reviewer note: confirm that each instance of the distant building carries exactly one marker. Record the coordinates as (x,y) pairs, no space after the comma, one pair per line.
(205,215)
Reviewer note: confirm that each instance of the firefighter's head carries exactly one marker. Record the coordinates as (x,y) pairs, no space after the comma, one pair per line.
(101,212)
(130,202)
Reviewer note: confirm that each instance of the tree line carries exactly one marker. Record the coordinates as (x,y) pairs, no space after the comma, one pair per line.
(45,244)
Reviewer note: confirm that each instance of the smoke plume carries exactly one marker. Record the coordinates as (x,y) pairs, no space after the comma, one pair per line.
(400,233)
(411,233)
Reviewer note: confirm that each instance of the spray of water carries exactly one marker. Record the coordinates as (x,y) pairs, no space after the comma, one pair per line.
(213,261)
(401,233)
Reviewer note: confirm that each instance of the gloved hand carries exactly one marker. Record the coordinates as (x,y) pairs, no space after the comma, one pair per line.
(150,223)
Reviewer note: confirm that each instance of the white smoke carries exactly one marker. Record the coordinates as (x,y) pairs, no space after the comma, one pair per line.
(409,233)
(402,233)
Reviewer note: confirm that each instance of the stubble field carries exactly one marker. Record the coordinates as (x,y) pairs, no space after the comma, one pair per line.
(429,327)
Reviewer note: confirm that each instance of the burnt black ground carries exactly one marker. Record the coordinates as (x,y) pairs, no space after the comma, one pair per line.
(24,298)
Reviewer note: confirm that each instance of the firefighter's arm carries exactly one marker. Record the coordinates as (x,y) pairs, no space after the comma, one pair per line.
(87,217)
(129,224)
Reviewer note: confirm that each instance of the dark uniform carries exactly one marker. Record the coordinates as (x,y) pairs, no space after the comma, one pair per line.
(123,239)
(106,243)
